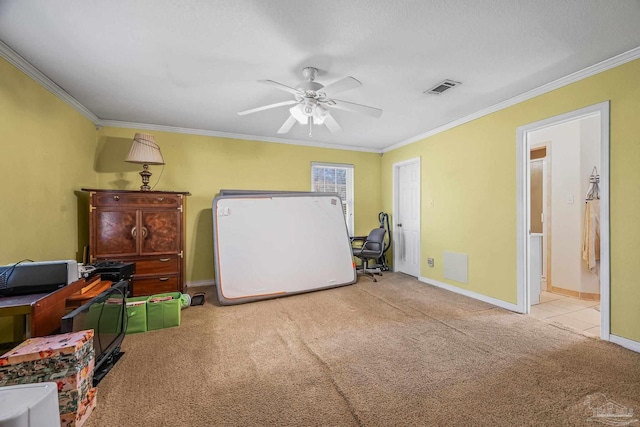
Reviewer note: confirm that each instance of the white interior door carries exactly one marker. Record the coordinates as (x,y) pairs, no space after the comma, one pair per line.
(406,247)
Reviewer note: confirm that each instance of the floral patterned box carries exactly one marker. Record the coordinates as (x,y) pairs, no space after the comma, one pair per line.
(79,417)
(68,376)
(67,347)
(71,400)
(67,359)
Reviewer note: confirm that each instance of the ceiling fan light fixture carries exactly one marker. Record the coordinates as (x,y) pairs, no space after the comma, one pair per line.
(318,120)
(319,115)
(298,114)
(309,109)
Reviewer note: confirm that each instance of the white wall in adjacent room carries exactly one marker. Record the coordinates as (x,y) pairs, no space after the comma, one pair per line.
(574,149)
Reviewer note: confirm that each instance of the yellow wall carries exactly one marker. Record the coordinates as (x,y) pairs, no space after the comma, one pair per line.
(47,152)
(470,174)
(46,155)
(204,165)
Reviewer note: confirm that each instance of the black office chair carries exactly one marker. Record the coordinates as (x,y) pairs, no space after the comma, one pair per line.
(372,247)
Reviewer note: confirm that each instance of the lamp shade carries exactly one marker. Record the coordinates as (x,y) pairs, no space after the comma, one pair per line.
(145,150)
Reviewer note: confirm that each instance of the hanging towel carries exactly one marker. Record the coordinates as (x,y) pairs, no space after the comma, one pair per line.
(591,235)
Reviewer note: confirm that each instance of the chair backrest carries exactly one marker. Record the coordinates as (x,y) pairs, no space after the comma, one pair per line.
(375,240)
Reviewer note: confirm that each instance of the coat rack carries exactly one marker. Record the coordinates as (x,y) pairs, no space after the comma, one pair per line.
(594,189)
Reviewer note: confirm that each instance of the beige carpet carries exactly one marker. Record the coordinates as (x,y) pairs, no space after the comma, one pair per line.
(393,353)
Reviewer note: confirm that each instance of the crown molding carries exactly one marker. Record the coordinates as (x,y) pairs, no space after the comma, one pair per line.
(607,64)
(31,71)
(44,81)
(202,132)
(23,65)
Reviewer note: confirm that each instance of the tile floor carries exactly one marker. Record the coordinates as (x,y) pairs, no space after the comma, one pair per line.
(578,314)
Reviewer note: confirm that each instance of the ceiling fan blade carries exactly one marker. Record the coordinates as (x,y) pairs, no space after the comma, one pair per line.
(341,85)
(351,106)
(288,124)
(331,123)
(281,87)
(266,107)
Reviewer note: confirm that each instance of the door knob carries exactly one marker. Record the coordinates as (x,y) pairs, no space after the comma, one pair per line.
(399,225)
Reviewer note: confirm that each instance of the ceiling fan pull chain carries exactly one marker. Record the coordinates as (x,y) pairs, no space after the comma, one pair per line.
(310,127)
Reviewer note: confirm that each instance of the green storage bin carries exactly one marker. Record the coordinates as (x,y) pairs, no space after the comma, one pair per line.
(163,314)
(136,315)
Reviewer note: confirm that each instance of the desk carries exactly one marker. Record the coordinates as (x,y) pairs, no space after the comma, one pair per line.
(87,293)
(42,312)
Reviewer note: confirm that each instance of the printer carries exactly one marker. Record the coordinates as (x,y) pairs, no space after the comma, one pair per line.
(25,278)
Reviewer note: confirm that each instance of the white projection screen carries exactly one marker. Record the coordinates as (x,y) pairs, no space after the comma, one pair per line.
(268,245)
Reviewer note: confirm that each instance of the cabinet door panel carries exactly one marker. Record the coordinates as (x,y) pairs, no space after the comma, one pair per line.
(160,232)
(113,233)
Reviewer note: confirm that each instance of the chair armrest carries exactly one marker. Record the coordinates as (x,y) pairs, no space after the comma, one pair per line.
(359,241)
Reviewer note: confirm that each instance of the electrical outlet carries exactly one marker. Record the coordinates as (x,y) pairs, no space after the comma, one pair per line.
(430,262)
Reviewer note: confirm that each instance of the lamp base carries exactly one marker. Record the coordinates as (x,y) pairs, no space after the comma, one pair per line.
(145,174)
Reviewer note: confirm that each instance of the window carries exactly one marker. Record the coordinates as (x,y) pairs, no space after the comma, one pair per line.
(335,178)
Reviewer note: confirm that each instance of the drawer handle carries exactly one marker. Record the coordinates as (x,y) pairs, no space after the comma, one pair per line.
(116,198)
(163,279)
(160,199)
(164,259)
(133,232)
(144,232)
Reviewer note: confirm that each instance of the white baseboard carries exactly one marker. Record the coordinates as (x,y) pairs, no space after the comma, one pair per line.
(211,282)
(506,305)
(625,342)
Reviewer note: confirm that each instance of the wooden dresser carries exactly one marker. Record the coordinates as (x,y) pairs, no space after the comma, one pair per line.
(145,227)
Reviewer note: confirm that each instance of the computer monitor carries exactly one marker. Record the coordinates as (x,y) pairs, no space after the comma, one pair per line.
(106,314)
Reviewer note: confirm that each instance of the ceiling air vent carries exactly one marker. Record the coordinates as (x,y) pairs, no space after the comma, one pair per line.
(443,86)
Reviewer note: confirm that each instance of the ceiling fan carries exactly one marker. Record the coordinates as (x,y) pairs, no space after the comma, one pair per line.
(313,102)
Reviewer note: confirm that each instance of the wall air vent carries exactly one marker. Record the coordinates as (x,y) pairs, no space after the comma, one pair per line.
(443,86)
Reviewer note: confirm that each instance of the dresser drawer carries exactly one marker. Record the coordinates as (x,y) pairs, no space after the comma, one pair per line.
(155,285)
(136,200)
(157,266)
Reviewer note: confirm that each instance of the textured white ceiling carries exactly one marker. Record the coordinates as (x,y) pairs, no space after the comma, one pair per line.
(195,64)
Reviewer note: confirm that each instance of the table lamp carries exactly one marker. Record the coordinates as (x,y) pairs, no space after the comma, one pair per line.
(145,151)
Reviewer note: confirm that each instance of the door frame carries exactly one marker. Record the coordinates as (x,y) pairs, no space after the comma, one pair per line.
(523,212)
(394,189)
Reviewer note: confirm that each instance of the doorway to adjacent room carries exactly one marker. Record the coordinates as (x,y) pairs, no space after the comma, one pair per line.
(560,160)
